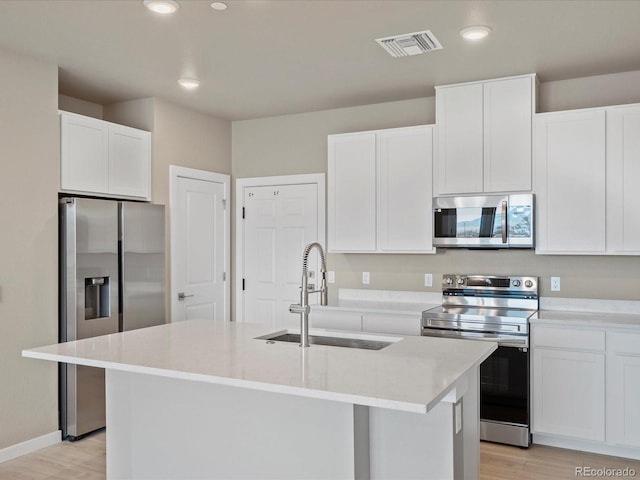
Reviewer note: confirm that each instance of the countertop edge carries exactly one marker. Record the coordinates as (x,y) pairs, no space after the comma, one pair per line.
(248,384)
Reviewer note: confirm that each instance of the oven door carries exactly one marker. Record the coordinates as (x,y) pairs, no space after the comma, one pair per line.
(504,386)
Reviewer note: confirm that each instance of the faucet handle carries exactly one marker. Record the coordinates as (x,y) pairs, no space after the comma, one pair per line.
(297,308)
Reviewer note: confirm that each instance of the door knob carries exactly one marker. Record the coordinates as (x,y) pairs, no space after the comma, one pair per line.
(182,296)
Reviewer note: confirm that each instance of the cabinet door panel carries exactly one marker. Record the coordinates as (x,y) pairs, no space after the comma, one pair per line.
(623,178)
(623,388)
(393,324)
(352,192)
(459,114)
(405,190)
(570,182)
(568,394)
(84,164)
(508,113)
(335,320)
(129,161)
(623,392)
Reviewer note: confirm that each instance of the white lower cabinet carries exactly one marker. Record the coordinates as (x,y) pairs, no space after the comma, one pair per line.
(623,389)
(335,320)
(586,388)
(393,324)
(569,393)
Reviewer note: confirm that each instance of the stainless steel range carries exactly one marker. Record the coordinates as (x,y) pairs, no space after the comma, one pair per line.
(493,308)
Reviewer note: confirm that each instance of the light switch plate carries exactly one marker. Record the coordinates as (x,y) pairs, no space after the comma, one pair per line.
(555,284)
(331,276)
(428,280)
(365,278)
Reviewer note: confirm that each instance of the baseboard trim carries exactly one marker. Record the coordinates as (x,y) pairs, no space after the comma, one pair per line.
(586,446)
(30,446)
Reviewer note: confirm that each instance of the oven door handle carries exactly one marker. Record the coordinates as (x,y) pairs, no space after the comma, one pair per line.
(504,222)
(462,325)
(521,343)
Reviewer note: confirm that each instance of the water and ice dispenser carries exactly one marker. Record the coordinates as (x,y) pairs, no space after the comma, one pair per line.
(97,298)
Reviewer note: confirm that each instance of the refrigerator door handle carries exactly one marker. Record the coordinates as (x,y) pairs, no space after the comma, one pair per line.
(182,296)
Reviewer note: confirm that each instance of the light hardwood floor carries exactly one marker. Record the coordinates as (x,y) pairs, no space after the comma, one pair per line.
(85,460)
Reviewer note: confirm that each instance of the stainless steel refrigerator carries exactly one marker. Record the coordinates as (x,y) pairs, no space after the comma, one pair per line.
(112,279)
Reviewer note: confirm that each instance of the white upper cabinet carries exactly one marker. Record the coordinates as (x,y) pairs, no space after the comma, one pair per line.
(509,106)
(352,192)
(84,162)
(484,136)
(623,178)
(379,191)
(570,182)
(103,158)
(459,165)
(404,190)
(587,169)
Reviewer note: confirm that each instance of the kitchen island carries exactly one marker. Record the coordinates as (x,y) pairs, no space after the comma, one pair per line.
(202,399)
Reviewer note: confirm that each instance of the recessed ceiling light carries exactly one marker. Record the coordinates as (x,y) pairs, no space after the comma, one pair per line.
(219,5)
(475,32)
(189,83)
(163,7)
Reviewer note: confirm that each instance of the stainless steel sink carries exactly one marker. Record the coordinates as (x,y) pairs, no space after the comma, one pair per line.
(333,341)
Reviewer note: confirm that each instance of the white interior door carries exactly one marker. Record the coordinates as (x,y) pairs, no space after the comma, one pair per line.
(279,221)
(199,248)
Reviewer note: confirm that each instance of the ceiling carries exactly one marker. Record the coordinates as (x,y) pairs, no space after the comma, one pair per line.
(265,57)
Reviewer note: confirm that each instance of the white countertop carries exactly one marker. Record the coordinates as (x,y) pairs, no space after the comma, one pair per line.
(553,310)
(591,319)
(590,312)
(413,374)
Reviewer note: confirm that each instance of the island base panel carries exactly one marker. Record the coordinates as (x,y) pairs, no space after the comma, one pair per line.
(160,427)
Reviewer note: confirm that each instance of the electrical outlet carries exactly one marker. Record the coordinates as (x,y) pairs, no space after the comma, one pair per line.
(428,280)
(365,278)
(555,284)
(331,276)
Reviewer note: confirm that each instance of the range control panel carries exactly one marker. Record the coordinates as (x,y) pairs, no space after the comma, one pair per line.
(489,282)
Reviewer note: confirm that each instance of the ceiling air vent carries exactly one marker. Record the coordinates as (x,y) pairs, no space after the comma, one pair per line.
(410,43)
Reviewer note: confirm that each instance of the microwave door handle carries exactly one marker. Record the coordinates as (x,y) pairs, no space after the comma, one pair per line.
(504,222)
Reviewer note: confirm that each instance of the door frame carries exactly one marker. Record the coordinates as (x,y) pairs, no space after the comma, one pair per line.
(279,180)
(176,172)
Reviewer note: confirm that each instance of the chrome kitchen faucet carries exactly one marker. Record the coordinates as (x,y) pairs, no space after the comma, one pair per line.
(303,307)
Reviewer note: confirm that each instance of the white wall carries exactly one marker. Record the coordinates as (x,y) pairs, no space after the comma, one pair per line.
(81,107)
(29,146)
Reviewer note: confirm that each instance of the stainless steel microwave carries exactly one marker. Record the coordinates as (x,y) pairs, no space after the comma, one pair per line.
(487,221)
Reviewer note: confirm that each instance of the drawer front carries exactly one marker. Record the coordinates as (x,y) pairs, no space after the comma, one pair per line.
(335,320)
(394,324)
(569,338)
(623,343)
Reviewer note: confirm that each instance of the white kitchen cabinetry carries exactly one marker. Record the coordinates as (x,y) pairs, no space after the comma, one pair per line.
(569,383)
(586,172)
(569,182)
(622,179)
(335,320)
(364,321)
(623,389)
(484,136)
(391,323)
(379,191)
(103,158)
